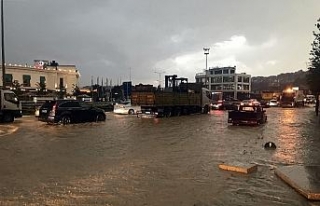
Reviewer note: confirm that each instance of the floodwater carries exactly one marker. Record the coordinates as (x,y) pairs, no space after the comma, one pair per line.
(169,161)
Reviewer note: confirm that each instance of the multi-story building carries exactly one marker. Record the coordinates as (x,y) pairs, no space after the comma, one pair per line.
(55,77)
(227,81)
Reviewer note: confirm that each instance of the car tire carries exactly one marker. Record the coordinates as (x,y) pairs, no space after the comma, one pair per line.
(65,120)
(100,118)
(131,112)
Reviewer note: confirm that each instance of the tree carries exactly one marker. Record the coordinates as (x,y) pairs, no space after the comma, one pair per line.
(16,86)
(41,87)
(76,90)
(313,76)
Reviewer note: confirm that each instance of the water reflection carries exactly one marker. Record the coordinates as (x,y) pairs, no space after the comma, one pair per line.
(289,137)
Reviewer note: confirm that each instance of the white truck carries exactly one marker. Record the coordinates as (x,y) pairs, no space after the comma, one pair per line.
(10,106)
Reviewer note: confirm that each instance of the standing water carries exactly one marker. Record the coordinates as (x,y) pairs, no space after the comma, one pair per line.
(169,161)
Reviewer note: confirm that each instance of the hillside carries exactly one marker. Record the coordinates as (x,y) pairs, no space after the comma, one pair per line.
(280,82)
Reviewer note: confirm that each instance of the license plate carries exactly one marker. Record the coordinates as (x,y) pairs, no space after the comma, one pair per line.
(44,111)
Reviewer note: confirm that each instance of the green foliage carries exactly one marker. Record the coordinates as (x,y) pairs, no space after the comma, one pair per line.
(16,87)
(313,76)
(76,90)
(42,88)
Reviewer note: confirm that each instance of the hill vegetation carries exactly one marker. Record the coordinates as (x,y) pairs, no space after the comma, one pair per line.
(280,82)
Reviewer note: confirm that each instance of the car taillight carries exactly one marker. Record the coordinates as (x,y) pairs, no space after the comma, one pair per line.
(53,111)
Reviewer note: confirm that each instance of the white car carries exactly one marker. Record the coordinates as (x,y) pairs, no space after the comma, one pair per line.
(273,103)
(126,108)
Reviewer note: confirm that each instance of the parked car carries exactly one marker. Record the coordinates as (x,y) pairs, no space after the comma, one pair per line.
(218,105)
(273,103)
(72,111)
(310,99)
(126,108)
(230,104)
(37,112)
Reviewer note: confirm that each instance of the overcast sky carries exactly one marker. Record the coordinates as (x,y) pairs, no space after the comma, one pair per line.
(105,38)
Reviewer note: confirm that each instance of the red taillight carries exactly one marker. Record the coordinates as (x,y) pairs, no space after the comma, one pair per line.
(53,111)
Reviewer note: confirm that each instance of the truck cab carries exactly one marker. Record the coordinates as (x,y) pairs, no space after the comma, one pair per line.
(10,106)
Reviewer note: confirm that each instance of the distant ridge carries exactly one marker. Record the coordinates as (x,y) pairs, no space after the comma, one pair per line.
(280,81)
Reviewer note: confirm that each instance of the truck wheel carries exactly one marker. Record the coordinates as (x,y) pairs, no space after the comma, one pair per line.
(7,118)
(65,120)
(131,112)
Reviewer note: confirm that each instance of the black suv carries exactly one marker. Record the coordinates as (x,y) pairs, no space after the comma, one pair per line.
(71,111)
(45,109)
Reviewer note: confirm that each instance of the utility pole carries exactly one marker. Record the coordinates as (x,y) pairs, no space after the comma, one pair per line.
(2,47)
(159,73)
(206,52)
(128,84)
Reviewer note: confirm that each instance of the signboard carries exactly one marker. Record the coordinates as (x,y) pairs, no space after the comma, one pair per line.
(40,64)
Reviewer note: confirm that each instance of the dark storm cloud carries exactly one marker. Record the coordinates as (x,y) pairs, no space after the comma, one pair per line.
(106,38)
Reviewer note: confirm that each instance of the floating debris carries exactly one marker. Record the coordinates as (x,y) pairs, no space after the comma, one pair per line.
(270,145)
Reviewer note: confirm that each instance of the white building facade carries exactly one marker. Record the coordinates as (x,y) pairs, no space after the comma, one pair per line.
(227,81)
(55,77)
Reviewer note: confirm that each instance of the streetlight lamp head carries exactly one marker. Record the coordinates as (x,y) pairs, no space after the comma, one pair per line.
(206,50)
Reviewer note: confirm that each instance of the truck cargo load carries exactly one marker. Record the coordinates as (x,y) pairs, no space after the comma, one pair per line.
(177,98)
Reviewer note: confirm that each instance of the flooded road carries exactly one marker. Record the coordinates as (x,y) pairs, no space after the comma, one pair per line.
(173,161)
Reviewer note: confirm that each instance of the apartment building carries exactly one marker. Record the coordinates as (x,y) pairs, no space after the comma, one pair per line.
(226,80)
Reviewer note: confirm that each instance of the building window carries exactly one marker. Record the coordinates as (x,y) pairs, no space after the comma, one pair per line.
(218,72)
(228,87)
(246,79)
(61,83)
(26,80)
(239,79)
(228,79)
(232,71)
(8,79)
(246,87)
(42,80)
(216,87)
(225,71)
(216,79)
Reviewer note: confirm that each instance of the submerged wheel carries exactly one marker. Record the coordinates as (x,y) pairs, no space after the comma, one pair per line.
(100,118)
(168,114)
(65,120)
(7,118)
(131,112)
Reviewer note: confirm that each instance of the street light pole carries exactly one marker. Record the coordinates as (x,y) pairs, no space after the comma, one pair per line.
(159,73)
(2,47)
(206,52)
